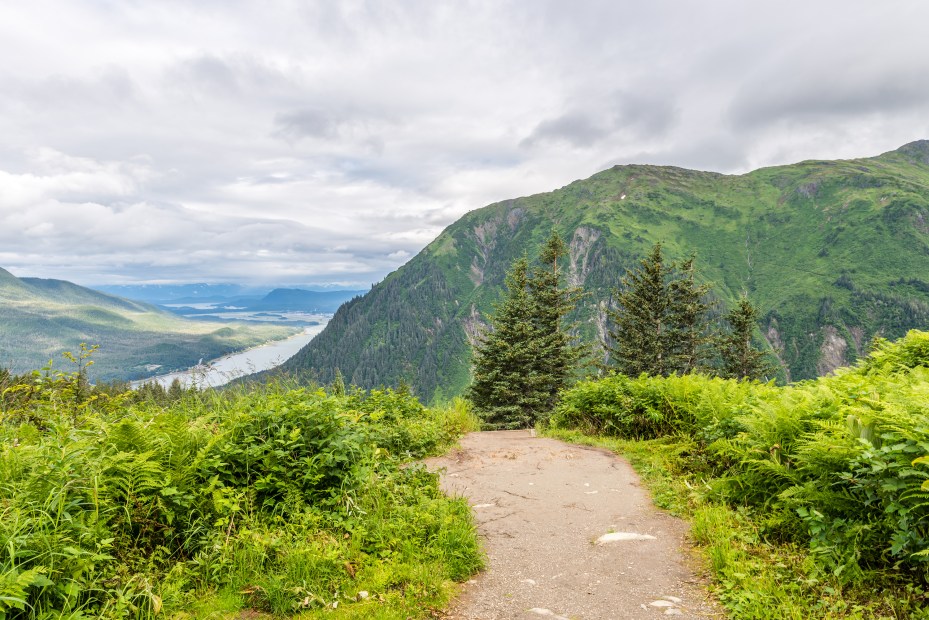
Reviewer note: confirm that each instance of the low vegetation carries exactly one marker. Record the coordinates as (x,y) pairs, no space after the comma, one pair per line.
(810,500)
(183,504)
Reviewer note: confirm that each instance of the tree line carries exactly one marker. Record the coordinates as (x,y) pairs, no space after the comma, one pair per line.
(659,325)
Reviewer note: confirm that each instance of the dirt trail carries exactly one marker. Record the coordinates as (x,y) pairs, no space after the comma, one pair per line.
(541,506)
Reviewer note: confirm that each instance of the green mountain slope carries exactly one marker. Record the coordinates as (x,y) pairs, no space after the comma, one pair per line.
(41,318)
(832,252)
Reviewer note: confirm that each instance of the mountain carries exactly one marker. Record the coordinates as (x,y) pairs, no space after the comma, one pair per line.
(41,318)
(300,299)
(832,252)
(180,293)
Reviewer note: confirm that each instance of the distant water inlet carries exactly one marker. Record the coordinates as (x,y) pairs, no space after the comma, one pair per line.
(224,369)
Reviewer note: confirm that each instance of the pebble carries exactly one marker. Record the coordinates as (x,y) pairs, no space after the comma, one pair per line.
(623,536)
(546,612)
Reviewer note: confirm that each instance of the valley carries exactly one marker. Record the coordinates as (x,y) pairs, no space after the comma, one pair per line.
(40,319)
(220,371)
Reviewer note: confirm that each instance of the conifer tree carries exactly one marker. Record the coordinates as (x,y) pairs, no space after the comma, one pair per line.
(659,325)
(688,335)
(558,355)
(176,391)
(740,359)
(640,335)
(504,389)
(528,356)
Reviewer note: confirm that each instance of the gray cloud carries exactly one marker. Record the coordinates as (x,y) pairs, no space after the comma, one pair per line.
(830,91)
(633,115)
(575,128)
(306,123)
(329,142)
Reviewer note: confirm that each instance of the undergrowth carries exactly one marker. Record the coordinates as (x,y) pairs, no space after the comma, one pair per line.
(809,501)
(275,500)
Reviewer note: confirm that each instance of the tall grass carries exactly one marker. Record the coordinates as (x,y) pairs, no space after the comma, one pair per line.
(272,499)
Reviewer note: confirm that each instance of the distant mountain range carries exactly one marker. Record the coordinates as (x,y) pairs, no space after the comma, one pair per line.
(41,318)
(182,293)
(299,299)
(253,298)
(832,252)
(244,298)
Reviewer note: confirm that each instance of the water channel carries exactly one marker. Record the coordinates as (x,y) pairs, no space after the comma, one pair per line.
(224,369)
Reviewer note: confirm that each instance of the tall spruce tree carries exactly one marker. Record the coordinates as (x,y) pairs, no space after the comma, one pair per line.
(551,303)
(504,389)
(688,333)
(659,324)
(640,339)
(527,356)
(740,359)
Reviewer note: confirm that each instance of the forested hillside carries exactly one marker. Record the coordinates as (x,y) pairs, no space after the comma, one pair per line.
(831,252)
(41,318)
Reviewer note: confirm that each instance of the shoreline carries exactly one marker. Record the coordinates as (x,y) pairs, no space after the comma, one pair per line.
(223,369)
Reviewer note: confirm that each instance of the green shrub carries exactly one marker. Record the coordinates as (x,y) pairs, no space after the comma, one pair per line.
(294,445)
(117,505)
(836,464)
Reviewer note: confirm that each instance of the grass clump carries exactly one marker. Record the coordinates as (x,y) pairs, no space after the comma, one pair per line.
(809,500)
(275,500)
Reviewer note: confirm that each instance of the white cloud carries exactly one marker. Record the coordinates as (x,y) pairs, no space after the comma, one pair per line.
(329,142)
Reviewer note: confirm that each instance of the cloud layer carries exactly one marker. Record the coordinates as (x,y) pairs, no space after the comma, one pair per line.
(321,142)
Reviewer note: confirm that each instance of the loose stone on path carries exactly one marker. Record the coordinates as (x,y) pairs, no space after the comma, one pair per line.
(569,533)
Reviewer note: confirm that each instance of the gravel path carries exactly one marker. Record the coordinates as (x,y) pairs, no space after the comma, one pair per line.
(542,507)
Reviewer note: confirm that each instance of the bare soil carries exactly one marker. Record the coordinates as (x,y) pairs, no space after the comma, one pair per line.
(542,507)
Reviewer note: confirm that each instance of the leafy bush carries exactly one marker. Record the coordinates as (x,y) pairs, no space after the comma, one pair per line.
(116,505)
(294,444)
(647,407)
(837,464)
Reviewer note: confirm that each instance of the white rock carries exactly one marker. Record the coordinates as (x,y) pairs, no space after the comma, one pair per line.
(546,612)
(673,599)
(673,611)
(483,505)
(531,582)
(623,536)
(661,604)
(362,595)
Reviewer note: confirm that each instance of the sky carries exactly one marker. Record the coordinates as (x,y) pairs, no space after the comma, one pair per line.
(325,143)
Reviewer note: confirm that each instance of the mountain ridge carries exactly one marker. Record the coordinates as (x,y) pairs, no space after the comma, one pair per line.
(833,253)
(303,299)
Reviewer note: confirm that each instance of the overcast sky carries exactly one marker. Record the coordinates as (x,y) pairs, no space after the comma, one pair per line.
(327,142)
